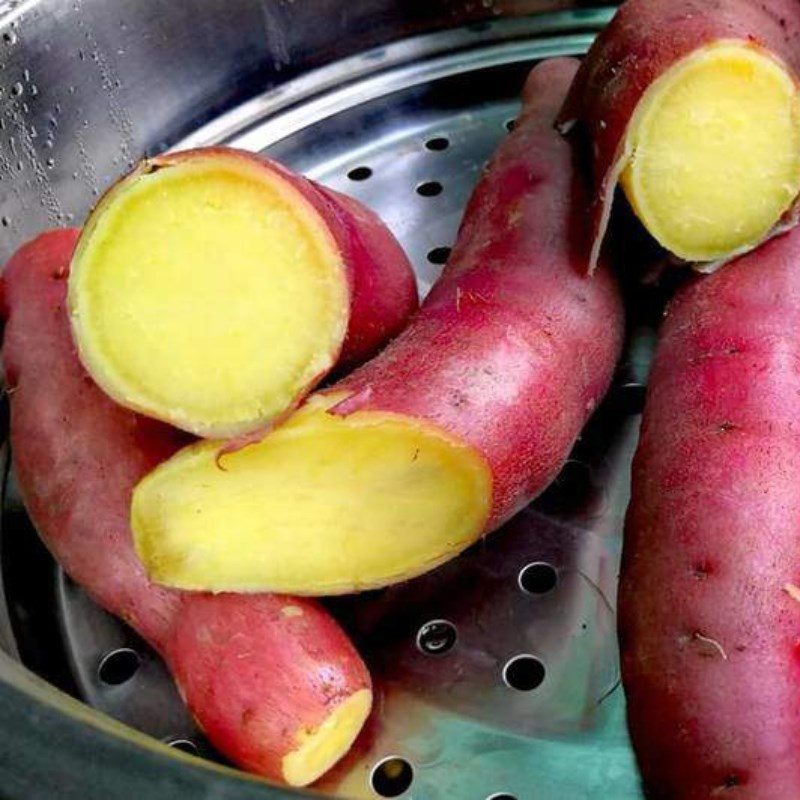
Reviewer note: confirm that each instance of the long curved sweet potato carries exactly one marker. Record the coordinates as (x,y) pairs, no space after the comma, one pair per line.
(453,428)
(273,681)
(214,288)
(694,106)
(709,600)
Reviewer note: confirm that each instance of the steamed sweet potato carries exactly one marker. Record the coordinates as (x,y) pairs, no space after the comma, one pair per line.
(694,106)
(272,680)
(457,425)
(709,600)
(213,288)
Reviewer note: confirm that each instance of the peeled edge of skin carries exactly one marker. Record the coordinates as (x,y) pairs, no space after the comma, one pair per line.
(318,750)
(395,498)
(645,123)
(242,352)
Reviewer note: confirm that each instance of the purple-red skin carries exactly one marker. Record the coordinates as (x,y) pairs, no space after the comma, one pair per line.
(709,634)
(252,673)
(380,278)
(515,345)
(645,39)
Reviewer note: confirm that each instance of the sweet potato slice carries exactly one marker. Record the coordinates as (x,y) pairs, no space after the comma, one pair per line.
(212,289)
(695,108)
(454,427)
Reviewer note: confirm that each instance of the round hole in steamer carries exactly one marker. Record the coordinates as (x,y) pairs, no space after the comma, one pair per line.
(430,189)
(184,745)
(501,796)
(510,124)
(359,173)
(437,143)
(524,673)
(437,637)
(438,255)
(391,777)
(118,666)
(632,396)
(538,577)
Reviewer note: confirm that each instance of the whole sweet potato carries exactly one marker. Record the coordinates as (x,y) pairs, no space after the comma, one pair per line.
(709,601)
(272,680)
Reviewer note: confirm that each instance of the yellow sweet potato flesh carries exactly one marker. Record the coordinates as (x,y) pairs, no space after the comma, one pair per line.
(713,152)
(207,293)
(318,750)
(323,505)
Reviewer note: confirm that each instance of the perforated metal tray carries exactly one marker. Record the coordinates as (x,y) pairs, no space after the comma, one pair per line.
(497,675)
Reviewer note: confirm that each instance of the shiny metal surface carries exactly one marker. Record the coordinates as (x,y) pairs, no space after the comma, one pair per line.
(410,139)
(88,85)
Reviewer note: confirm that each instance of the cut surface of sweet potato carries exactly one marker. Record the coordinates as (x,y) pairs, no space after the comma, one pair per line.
(207,293)
(712,153)
(318,750)
(323,505)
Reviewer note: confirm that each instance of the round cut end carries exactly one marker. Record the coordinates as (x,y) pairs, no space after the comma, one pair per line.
(713,152)
(323,505)
(318,750)
(206,291)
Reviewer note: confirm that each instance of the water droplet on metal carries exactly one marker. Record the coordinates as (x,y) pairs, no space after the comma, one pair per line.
(17,89)
(5,221)
(9,37)
(51,162)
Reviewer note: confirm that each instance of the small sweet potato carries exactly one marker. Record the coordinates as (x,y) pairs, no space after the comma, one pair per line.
(272,680)
(458,424)
(694,106)
(709,600)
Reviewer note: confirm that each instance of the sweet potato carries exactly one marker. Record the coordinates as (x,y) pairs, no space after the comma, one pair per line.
(212,289)
(709,605)
(272,680)
(457,425)
(694,106)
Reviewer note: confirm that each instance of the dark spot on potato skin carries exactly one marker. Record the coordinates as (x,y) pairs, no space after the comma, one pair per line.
(248,715)
(701,570)
(731,782)
(458,399)
(726,427)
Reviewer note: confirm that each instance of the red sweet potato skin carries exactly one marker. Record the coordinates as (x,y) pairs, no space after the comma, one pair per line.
(645,39)
(514,346)
(254,669)
(710,638)
(383,289)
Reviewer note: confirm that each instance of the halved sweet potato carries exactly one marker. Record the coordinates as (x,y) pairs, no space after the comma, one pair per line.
(695,108)
(212,289)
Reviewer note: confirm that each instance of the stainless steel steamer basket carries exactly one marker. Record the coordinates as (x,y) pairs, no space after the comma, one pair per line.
(498,674)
